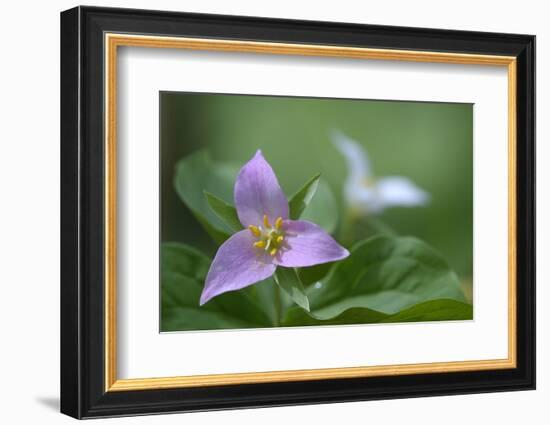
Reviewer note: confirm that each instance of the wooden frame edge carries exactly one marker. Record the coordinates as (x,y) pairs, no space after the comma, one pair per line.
(114,40)
(137,384)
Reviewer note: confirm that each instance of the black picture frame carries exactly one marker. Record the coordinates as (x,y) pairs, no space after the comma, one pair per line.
(82,212)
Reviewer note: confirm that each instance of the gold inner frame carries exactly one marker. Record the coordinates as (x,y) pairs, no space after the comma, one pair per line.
(113,41)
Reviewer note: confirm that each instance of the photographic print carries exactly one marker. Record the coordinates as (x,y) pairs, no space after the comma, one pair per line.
(288,211)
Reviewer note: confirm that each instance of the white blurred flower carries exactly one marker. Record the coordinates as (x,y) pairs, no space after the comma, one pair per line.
(363,193)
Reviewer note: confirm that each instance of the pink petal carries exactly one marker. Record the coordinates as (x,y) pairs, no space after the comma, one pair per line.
(306,244)
(237,264)
(257,192)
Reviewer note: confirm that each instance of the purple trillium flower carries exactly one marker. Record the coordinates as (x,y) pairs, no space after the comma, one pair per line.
(270,238)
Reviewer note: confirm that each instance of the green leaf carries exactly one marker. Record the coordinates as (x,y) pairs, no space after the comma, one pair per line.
(183,272)
(314,274)
(224,210)
(299,317)
(378,226)
(435,310)
(219,236)
(197,173)
(388,274)
(300,200)
(385,275)
(322,209)
(288,280)
(443,309)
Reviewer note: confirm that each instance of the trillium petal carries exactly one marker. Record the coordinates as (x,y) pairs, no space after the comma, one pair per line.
(306,244)
(400,191)
(361,197)
(237,264)
(356,157)
(257,192)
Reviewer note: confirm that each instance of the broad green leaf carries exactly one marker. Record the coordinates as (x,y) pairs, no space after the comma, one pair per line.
(197,173)
(443,309)
(383,274)
(300,200)
(288,280)
(357,315)
(183,272)
(387,274)
(314,274)
(435,310)
(224,210)
(219,236)
(322,209)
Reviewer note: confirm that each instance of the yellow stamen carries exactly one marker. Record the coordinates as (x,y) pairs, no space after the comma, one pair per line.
(279,223)
(273,252)
(280,239)
(255,231)
(259,244)
(266,222)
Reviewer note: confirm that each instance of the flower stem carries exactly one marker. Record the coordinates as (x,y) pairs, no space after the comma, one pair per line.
(346,227)
(278,306)
(380,227)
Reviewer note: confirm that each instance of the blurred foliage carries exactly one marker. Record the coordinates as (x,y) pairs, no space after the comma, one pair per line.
(431,143)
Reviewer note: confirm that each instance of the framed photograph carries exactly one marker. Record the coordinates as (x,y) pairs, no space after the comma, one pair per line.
(261,212)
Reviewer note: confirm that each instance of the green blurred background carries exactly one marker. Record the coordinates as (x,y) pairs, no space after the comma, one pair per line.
(431,143)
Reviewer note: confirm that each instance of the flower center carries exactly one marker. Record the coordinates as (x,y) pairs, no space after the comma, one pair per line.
(270,238)
(367,182)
